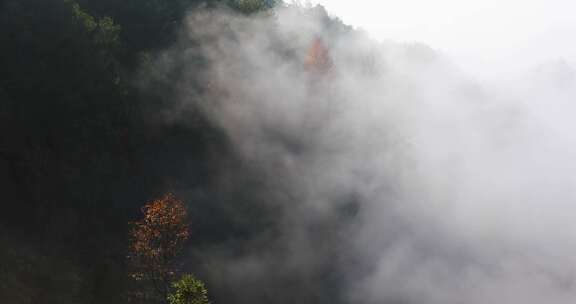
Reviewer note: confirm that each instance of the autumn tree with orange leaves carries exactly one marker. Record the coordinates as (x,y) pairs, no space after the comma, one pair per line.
(318,58)
(155,242)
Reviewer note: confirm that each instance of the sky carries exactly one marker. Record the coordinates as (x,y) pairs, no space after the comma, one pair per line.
(482,35)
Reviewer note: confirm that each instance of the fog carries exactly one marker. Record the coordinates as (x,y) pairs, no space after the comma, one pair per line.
(478,35)
(399,176)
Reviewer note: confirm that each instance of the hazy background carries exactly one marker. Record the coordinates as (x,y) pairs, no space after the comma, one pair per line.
(428,159)
(477,34)
(403,174)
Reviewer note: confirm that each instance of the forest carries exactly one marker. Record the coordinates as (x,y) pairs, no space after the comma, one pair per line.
(264,151)
(85,143)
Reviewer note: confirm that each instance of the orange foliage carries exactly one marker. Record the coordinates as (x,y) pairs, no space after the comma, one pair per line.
(156,240)
(318,58)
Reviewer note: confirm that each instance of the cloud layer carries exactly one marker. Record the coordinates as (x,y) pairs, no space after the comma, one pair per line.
(397,178)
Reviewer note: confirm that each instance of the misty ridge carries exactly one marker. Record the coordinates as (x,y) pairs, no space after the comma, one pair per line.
(414,182)
(317,164)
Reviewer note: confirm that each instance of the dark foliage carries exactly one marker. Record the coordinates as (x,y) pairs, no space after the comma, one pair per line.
(81,148)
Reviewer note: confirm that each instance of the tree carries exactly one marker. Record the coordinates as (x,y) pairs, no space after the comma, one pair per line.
(188,290)
(252,6)
(318,58)
(155,242)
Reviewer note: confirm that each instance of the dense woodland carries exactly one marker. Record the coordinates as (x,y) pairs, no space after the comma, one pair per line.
(82,148)
(258,151)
